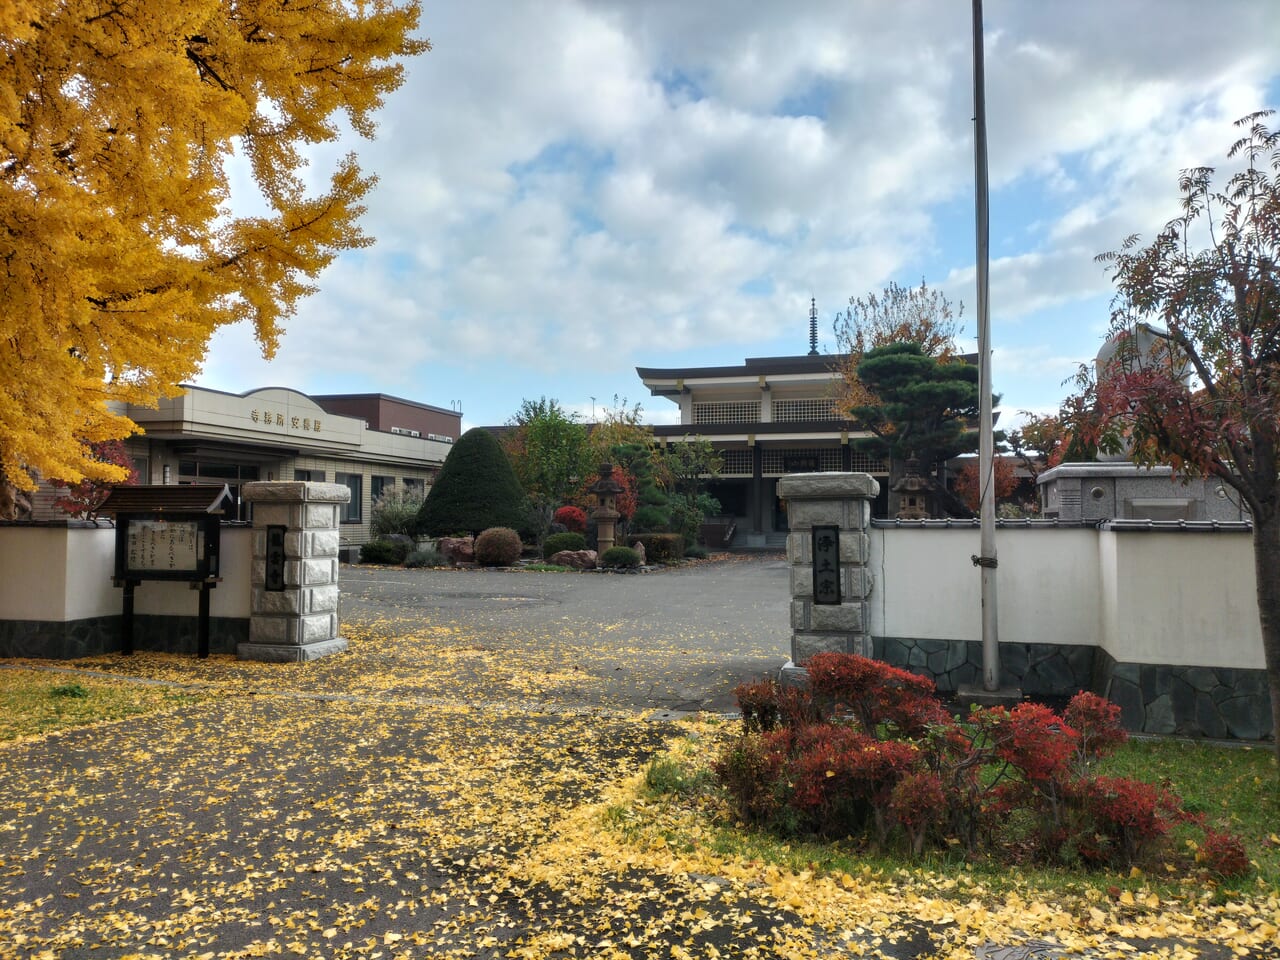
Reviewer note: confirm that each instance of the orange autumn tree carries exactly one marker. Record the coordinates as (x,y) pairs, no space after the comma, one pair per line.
(969,489)
(897,315)
(121,250)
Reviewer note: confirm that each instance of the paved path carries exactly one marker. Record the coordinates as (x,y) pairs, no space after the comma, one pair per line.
(441,790)
(679,639)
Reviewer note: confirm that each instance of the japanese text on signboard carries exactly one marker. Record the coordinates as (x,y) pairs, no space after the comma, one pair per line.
(278,419)
(164,544)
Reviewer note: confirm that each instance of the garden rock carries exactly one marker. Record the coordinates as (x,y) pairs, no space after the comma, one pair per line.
(457,549)
(577,559)
(638,547)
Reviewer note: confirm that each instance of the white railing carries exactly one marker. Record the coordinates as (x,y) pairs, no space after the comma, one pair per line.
(727,411)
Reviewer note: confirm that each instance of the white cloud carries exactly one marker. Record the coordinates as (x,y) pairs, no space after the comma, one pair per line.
(567,187)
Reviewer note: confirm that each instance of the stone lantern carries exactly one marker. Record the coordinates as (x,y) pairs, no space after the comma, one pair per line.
(606,515)
(914,492)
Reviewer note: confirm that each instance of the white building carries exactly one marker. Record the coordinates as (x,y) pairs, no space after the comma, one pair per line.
(372,443)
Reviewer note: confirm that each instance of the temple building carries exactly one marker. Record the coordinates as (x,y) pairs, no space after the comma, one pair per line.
(767,417)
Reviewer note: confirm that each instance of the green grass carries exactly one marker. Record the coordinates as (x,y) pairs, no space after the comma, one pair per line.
(34,702)
(1236,787)
(546,568)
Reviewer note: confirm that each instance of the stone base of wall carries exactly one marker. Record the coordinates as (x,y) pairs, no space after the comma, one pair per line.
(59,640)
(1215,702)
(94,636)
(1038,669)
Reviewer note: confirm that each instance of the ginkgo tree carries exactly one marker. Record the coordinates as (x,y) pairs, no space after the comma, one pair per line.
(121,251)
(1195,377)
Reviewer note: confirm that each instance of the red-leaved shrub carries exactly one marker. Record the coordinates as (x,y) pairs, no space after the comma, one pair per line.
(918,801)
(574,519)
(1127,817)
(1223,854)
(748,768)
(1015,781)
(1035,740)
(758,702)
(841,775)
(1097,721)
(876,693)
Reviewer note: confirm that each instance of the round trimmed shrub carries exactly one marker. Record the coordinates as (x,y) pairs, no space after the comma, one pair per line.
(385,551)
(696,552)
(497,547)
(623,557)
(563,541)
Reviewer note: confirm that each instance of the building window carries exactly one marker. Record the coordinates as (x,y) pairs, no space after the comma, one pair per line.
(735,462)
(727,411)
(309,476)
(379,486)
(213,472)
(821,409)
(355,483)
(779,461)
(415,487)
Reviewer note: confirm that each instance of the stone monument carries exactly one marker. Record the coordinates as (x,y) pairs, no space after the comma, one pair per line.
(827,549)
(294,607)
(606,514)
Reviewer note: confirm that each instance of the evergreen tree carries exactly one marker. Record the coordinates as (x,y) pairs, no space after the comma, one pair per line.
(476,489)
(923,409)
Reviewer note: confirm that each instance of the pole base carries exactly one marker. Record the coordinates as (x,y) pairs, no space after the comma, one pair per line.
(968,694)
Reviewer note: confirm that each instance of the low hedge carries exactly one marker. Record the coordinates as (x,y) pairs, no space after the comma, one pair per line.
(426,558)
(620,557)
(563,541)
(660,547)
(384,551)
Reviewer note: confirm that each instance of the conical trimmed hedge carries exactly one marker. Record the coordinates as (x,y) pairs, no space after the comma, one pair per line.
(476,490)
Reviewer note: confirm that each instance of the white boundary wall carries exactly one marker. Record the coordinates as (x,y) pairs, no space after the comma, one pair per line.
(1156,596)
(63,573)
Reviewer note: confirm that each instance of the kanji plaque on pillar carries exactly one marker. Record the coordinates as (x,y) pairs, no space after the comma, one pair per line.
(826,565)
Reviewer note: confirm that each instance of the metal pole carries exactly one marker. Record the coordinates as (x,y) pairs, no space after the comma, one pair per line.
(986,559)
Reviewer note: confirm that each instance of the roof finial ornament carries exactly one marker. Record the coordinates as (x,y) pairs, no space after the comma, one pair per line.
(813,326)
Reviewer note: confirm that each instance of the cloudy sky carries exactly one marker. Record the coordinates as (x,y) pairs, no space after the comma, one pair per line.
(569,190)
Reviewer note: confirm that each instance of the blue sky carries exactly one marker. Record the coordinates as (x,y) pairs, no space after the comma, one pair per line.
(569,190)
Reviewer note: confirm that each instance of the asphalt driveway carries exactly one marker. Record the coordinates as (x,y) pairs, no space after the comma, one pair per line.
(677,639)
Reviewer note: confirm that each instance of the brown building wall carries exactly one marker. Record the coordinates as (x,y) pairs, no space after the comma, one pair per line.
(382,412)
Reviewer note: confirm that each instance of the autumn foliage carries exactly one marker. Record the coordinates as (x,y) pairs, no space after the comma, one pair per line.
(573,519)
(1192,379)
(82,500)
(122,248)
(879,756)
(969,489)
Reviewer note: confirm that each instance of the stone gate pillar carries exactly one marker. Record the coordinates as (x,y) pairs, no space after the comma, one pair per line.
(294,609)
(832,618)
